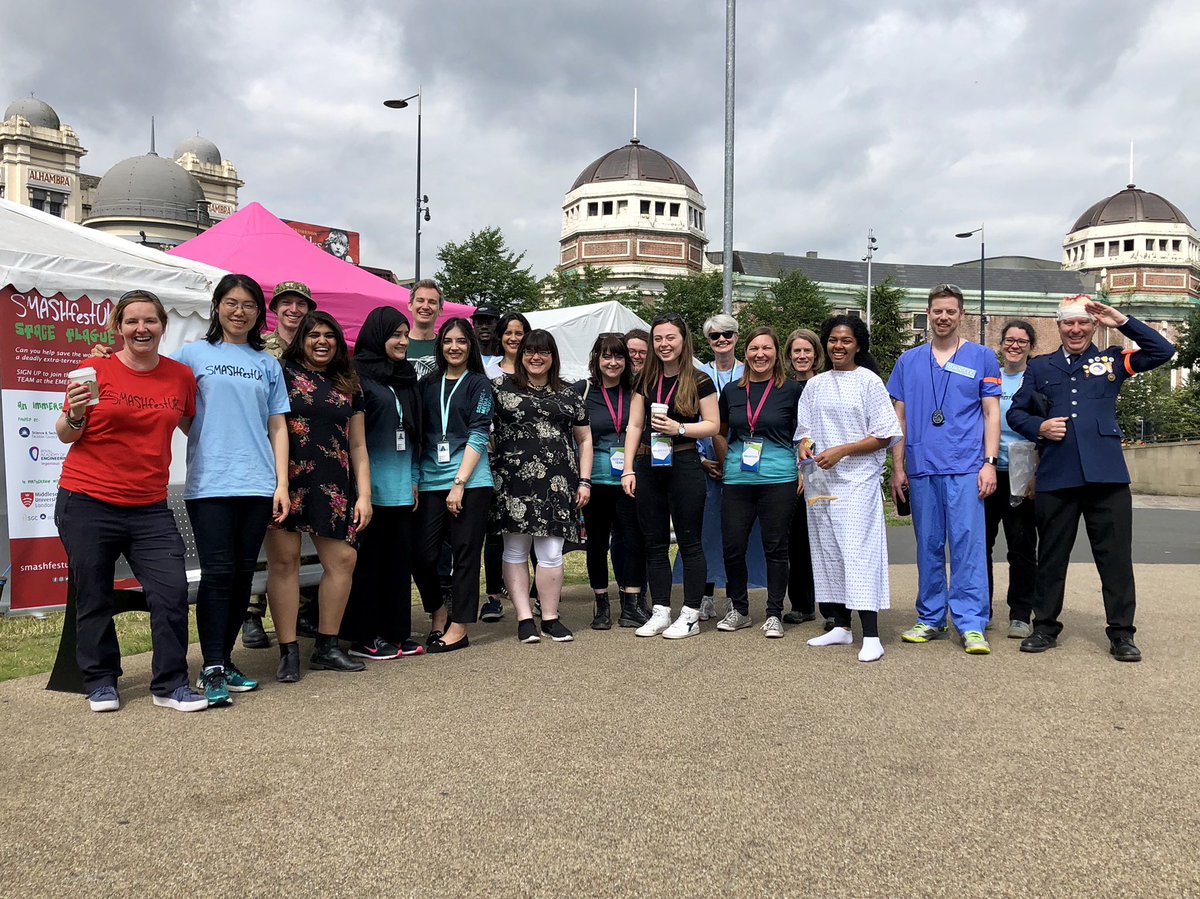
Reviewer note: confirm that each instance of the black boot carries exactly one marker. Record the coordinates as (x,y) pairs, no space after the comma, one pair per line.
(328,656)
(288,671)
(633,614)
(253,635)
(305,625)
(602,621)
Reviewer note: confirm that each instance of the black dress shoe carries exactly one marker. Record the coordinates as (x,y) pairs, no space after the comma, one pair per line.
(289,663)
(1123,649)
(253,635)
(1038,643)
(438,646)
(433,635)
(305,626)
(797,617)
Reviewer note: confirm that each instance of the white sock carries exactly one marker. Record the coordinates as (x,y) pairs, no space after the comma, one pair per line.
(872,650)
(839,636)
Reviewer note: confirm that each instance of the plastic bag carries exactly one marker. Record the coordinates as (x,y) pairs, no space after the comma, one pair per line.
(1022,466)
(817,483)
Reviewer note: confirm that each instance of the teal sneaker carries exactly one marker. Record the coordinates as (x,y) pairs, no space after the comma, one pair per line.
(212,684)
(236,682)
(976,644)
(923,633)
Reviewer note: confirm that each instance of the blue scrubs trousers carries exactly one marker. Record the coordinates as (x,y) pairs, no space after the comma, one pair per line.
(948,506)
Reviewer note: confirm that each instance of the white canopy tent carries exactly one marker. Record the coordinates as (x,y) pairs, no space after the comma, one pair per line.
(576,328)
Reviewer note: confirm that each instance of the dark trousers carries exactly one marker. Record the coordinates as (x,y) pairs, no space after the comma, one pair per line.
(611,516)
(229,533)
(666,496)
(493,564)
(1020,533)
(380,603)
(434,525)
(1107,511)
(95,534)
(772,505)
(801,591)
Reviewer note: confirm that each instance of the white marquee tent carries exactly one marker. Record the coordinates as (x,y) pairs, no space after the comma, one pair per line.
(576,328)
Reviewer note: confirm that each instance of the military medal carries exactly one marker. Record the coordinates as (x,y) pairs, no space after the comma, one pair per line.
(1096,368)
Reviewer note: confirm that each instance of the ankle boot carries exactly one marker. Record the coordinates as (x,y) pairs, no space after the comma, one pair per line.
(633,614)
(602,621)
(288,671)
(253,635)
(328,656)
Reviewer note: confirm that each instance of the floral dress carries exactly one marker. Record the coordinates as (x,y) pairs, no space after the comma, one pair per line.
(320,482)
(534,461)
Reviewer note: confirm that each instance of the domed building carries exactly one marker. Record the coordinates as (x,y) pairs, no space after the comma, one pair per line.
(39,159)
(637,212)
(216,175)
(1137,243)
(151,200)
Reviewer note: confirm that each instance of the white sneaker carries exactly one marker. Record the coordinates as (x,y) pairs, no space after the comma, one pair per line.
(734,621)
(686,625)
(772,627)
(660,620)
(708,608)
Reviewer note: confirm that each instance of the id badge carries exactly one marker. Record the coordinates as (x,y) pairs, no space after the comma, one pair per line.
(443,452)
(401,440)
(616,463)
(751,455)
(660,450)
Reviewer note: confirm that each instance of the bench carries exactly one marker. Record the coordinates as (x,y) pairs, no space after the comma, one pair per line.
(128,596)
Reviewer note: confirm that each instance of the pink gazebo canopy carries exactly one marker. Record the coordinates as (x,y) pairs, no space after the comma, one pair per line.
(254,242)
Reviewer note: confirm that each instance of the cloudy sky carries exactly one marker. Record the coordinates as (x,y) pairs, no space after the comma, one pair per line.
(917,119)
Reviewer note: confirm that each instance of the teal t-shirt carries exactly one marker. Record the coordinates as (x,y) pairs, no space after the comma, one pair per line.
(774,415)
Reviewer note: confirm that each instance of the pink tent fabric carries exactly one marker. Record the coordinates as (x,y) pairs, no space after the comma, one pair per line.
(255,243)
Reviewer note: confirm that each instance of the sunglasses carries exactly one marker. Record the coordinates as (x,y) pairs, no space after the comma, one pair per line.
(673,318)
(722,335)
(943,289)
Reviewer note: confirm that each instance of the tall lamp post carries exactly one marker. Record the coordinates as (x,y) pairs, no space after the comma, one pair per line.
(872,246)
(422,200)
(727,224)
(982,298)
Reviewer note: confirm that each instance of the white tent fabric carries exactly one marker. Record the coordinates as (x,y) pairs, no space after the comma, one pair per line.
(576,328)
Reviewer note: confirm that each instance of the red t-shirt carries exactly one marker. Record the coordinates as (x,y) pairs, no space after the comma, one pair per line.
(124,455)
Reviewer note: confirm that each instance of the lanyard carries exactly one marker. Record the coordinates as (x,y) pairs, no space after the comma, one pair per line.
(717,376)
(945,384)
(670,393)
(752,419)
(399,410)
(447,400)
(618,416)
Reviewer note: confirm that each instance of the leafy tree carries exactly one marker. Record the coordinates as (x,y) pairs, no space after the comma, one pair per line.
(794,301)
(890,332)
(483,270)
(1149,409)
(574,288)
(695,297)
(1188,345)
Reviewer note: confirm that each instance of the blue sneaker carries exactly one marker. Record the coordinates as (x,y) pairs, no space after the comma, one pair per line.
(236,682)
(212,682)
(104,699)
(184,699)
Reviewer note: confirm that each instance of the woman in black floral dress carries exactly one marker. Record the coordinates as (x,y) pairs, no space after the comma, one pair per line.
(329,482)
(539,423)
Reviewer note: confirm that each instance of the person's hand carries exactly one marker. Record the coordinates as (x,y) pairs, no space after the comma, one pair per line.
(629,484)
(1105,315)
(362,512)
(986,480)
(101,350)
(77,400)
(582,494)
(454,500)
(712,468)
(826,459)
(899,486)
(664,425)
(804,450)
(416,497)
(1053,429)
(281,504)
(799,485)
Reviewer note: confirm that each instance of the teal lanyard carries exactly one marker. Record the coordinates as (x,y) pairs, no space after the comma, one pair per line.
(399,410)
(446,400)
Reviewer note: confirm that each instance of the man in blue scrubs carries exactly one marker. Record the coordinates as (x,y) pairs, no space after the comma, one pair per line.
(947,399)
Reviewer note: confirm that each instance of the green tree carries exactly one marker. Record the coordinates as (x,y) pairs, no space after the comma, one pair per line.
(574,288)
(890,331)
(695,297)
(483,270)
(794,301)
(1188,345)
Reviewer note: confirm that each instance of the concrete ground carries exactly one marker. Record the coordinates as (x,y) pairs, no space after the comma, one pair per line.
(724,764)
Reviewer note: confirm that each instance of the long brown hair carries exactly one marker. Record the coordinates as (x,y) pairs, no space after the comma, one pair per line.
(339,370)
(778,372)
(687,396)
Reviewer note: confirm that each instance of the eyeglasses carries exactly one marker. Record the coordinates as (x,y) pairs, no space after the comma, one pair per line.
(132,294)
(722,335)
(944,289)
(231,306)
(544,354)
(1015,341)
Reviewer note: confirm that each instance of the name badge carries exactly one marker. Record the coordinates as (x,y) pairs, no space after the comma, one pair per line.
(751,455)
(401,440)
(616,463)
(443,452)
(660,450)
(959,369)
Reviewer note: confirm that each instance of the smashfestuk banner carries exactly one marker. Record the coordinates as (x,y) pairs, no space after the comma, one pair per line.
(41,339)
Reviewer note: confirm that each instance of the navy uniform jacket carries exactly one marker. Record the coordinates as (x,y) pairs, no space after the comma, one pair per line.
(1086,394)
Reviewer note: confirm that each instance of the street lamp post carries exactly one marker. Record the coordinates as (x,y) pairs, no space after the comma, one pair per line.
(872,246)
(982,296)
(422,200)
(727,224)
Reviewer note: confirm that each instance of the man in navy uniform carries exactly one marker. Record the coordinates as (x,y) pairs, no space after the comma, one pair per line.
(1068,405)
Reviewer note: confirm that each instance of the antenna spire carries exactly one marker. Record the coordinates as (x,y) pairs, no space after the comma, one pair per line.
(152,153)
(635,137)
(1131,181)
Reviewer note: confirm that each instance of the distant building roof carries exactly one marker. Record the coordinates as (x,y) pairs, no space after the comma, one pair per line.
(635,162)
(150,186)
(1130,205)
(36,112)
(204,149)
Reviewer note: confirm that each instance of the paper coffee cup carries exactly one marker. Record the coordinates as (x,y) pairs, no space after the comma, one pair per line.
(86,376)
(658,409)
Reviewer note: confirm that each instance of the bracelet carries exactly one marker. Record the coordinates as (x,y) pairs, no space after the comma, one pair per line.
(629,474)
(72,424)
(585,482)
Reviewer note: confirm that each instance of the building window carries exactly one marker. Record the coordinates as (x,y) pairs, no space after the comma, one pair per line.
(1149,246)
(1113,247)
(660,208)
(1129,246)
(1175,245)
(1098,249)
(645,207)
(622,207)
(1162,246)
(608,207)
(674,210)
(920,321)
(593,209)
(701,214)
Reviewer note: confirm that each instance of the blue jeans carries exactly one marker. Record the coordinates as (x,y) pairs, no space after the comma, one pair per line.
(947,508)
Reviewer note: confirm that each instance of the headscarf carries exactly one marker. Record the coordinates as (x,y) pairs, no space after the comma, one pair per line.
(372,362)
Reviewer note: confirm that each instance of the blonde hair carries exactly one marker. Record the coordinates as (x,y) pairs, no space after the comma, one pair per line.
(127,300)
(778,372)
(814,341)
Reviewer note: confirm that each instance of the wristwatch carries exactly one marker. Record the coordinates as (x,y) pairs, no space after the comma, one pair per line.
(990,460)
(458,482)
(682,429)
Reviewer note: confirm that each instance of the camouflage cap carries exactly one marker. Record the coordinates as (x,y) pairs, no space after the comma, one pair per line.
(296,287)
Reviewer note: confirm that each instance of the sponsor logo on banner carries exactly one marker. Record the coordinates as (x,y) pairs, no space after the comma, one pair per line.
(33,453)
(26,499)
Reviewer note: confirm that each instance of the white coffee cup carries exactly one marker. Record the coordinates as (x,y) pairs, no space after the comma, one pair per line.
(86,376)
(658,409)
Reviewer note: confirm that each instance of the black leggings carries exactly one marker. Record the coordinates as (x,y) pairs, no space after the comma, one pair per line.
(666,496)
(841,617)
(433,525)
(771,505)
(380,603)
(229,532)
(801,591)
(611,514)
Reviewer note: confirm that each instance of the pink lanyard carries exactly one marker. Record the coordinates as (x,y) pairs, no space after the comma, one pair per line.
(619,415)
(762,402)
(670,393)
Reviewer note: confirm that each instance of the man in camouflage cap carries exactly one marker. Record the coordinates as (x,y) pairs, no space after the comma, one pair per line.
(291,301)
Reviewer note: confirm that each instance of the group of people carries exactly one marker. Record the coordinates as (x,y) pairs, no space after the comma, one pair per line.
(430,451)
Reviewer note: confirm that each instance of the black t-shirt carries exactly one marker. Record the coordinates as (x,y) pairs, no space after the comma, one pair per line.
(704,388)
(604,434)
(776,422)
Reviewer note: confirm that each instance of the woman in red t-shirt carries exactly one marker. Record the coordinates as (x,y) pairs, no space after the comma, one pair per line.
(112,501)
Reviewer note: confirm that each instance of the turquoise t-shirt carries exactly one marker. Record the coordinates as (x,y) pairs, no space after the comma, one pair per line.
(1009,385)
(774,425)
